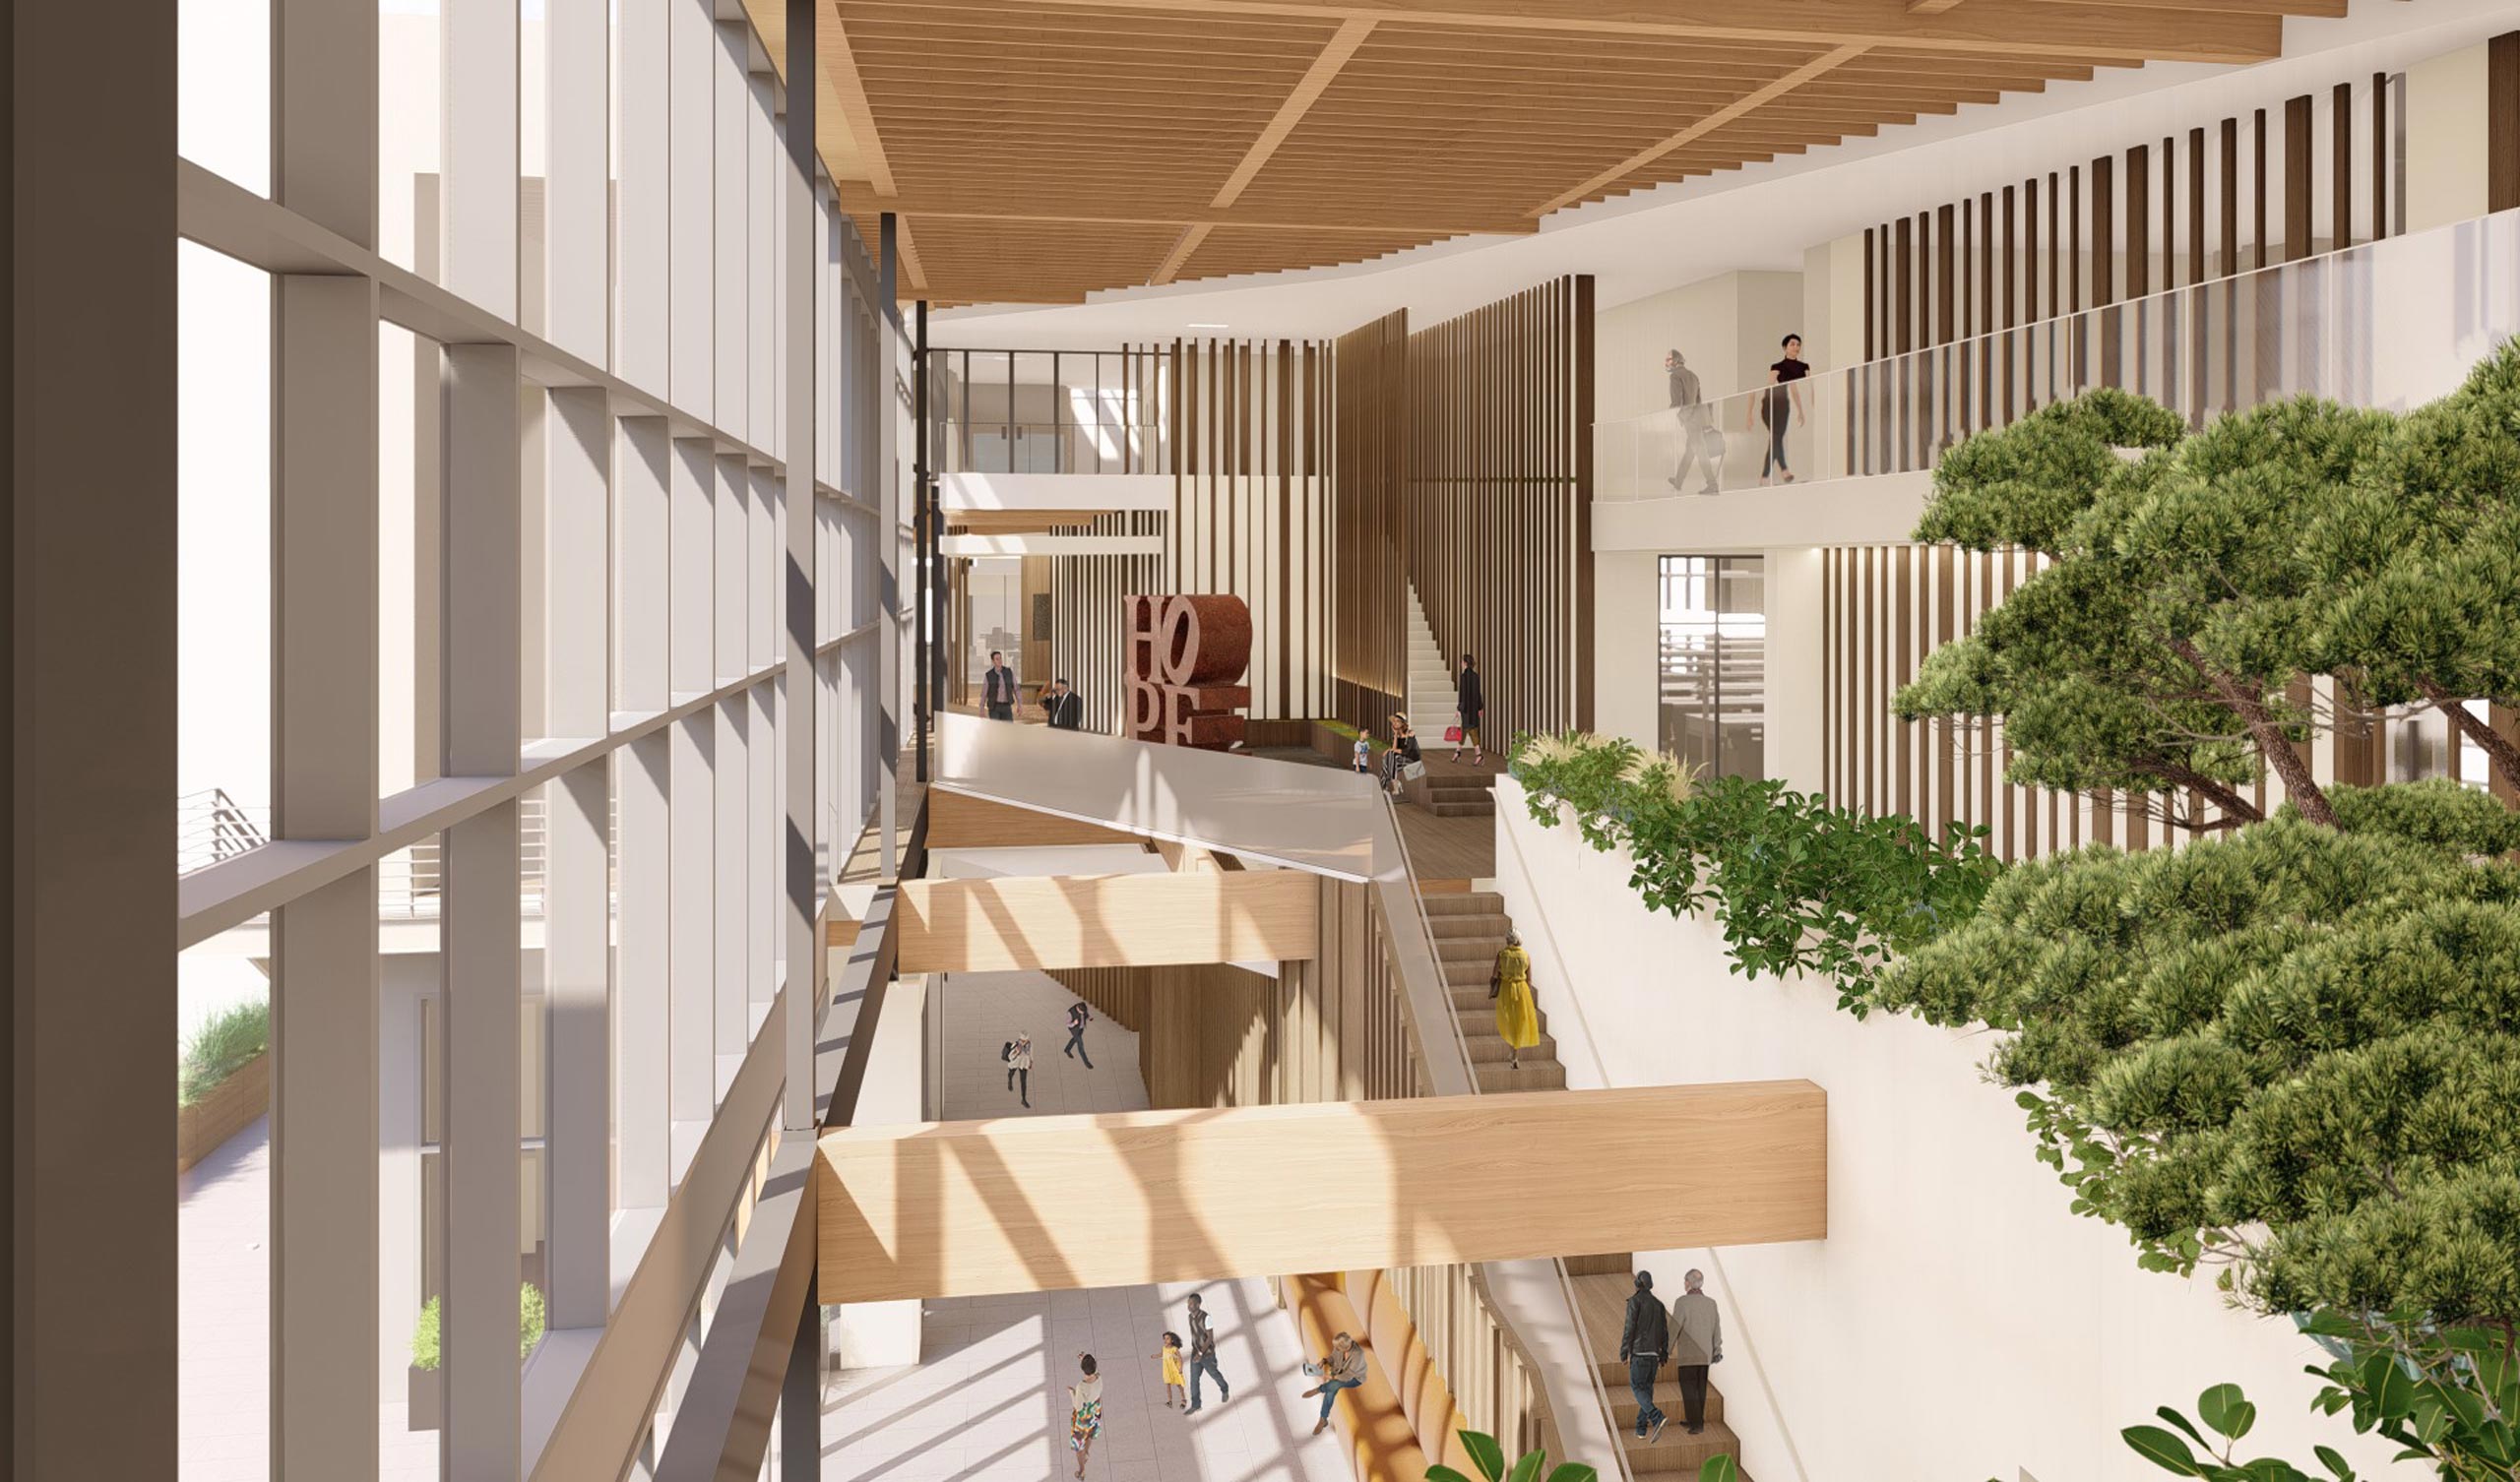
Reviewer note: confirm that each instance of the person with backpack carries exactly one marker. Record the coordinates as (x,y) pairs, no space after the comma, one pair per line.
(1643,1342)
(1077,1017)
(1018,1055)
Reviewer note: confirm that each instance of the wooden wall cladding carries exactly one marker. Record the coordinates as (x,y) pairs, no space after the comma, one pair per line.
(2160,214)
(1251,488)
(1038,922)
(1369,525)
(1089,643)
(1500,545)
(1123,1198)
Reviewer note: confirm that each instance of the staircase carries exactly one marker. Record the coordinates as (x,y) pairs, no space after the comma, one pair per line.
(1602,1285)
(1470,928)
(1430,680)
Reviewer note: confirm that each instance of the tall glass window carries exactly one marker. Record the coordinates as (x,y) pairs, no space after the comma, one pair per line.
(1711,667)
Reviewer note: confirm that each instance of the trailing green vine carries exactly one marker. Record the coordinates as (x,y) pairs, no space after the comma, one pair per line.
(1795,884)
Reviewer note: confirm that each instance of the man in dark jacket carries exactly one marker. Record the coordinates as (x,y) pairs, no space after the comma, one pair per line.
(1643,1342)
(1076,1019)
(1471,701)
(1066,707)
(997,687)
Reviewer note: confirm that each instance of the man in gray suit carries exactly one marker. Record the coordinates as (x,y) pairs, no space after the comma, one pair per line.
(1697,1341)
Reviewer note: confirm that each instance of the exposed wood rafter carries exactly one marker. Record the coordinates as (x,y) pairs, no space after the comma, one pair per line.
(1818,66)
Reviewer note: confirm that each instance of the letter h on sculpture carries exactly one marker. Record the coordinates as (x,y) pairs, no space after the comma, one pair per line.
(1186,658)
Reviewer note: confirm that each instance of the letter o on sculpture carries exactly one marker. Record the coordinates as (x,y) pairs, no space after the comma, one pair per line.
(1204,640)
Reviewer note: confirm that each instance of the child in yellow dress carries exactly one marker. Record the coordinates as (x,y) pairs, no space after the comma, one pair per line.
(1174,1394)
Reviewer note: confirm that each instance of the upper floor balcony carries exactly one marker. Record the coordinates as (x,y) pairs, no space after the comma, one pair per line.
(1845,455)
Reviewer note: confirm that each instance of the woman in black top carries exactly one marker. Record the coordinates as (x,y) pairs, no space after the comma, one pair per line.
(1782,403)
(1470,701)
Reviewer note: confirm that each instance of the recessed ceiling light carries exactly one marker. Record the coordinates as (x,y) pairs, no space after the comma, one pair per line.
(1210,327)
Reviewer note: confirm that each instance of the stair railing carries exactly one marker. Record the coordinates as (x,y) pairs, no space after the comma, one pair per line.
(1617,1465)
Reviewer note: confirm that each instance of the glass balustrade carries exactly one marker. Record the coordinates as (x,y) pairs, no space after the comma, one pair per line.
(2390,323)
(1050,412)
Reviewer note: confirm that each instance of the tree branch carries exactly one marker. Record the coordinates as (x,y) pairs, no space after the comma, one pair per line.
(2271,743)
(2493,743)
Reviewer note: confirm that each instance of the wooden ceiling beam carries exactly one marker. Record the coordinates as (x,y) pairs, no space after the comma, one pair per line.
(839,60)
(1192,238)
(1045,206)
(1818,67)
(2025,27)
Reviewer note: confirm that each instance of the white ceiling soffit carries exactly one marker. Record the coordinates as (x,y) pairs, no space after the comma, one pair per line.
(1760,217)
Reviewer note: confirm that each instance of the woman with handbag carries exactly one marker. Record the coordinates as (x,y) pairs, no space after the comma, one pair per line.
(1404,755)
(1470,701)
(1509,983)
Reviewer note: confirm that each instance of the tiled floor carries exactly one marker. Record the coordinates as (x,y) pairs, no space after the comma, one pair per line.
(222,1312)
(988,1398)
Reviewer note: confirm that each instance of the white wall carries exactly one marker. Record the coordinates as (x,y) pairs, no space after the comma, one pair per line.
(1958,1322)
(1625,615)
(1727,328)
(2445,138)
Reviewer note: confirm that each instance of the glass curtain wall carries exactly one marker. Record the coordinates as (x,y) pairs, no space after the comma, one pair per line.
(1712,663)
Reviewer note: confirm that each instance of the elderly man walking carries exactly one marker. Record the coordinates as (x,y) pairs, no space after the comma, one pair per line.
(1642,1342)
(1697,1340)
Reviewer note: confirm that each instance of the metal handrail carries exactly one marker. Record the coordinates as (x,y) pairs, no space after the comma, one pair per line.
(1618,1465)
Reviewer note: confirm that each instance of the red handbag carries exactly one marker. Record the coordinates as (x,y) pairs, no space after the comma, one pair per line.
(1452,733)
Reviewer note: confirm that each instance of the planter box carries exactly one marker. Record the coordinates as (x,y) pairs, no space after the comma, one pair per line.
(231,1107)
(1338,748)
(427,1396)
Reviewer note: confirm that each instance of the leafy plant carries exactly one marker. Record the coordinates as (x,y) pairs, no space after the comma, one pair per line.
(1795,884)
(1719,1468)
(532,1317)
(1489,1458)
(2228,1415)
(221,1047)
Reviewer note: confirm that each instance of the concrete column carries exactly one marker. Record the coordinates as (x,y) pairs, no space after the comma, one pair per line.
(641,780)
(691,38)
(477,185)
(888,546)
(577,210)
(641,336)
(732,94)
(480,927)
(323,1349)
(802,622)
(577,890)
(86,883)
(692,766)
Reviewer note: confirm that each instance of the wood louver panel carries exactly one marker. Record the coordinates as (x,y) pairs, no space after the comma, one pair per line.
(1334,131)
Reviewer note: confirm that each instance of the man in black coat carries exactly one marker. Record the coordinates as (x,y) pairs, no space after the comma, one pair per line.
(1470,700)
(1643,1342)
(997,687)
(1066,706)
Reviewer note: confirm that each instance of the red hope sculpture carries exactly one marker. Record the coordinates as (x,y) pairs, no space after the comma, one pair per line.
(1186,658)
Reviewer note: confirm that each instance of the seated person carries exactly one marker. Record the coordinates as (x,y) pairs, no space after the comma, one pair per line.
(1403,750)
(1342,1368)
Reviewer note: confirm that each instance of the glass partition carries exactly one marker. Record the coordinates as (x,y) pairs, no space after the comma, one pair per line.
(1050,412)
(2390,324)
(1712,700)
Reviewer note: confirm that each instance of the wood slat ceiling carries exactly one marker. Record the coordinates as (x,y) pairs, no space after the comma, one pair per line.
(1041,149)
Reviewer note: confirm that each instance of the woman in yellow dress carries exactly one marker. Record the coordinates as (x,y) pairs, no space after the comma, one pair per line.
(1510,985)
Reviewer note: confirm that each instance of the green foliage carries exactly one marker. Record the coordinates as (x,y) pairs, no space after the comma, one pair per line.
(2447,1398)
(221,1047)
(2156,654)
(532,1317)
(1719,1468)
(2293,1051)
(1795,884)
(1489,1458)
(2421,562)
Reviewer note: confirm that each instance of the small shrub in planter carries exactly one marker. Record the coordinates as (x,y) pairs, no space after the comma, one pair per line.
(427,1386)
(224,1042)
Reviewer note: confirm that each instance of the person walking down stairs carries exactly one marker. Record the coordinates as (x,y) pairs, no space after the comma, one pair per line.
(1642,1342)
(1510,985)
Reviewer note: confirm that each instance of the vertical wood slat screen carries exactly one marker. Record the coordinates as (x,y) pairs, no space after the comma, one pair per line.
(1883,609)
(1251,496)
(1088,646)
(1249,427)
(1938,292)
(1498,544)
(1369,560)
